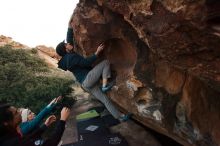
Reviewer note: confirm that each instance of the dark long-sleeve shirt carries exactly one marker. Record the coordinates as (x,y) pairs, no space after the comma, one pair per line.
(69,36)
(34,139)
(74,62)
(77,64)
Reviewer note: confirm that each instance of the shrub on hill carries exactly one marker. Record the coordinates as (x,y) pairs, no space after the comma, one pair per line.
(22,79)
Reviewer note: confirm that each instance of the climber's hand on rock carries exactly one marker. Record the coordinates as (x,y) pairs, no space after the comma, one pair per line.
(99,49)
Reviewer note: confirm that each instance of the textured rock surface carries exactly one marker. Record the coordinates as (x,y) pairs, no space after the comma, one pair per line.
(166,56)
(48,54)
(4,40)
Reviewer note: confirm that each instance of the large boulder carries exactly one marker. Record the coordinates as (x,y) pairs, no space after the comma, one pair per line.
(166,58)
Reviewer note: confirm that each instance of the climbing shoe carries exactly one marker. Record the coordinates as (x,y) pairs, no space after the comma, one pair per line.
(108,87)
(125,118)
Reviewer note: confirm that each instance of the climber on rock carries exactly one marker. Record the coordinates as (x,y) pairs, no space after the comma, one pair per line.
(87,76)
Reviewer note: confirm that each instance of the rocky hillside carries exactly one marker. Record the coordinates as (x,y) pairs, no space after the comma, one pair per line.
(4,40)
(44,52)
(166,55)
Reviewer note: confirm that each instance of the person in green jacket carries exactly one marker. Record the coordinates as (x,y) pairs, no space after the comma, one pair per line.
(30,121)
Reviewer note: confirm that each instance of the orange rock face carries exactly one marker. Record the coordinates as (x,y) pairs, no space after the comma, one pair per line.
(166,60)
(8,41)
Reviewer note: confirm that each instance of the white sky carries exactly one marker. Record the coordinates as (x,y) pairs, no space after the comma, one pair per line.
(36,22)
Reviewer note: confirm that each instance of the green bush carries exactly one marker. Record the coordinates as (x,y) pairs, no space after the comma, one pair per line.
(22,79)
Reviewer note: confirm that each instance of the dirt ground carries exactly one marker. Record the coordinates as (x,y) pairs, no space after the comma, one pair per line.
(133,133)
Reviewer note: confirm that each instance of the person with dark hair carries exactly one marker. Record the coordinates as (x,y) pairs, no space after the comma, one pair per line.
(10,118)
(87,76)
(8,113)
(30,121)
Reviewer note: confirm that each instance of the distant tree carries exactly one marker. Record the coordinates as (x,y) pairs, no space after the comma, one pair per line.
(23,81)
